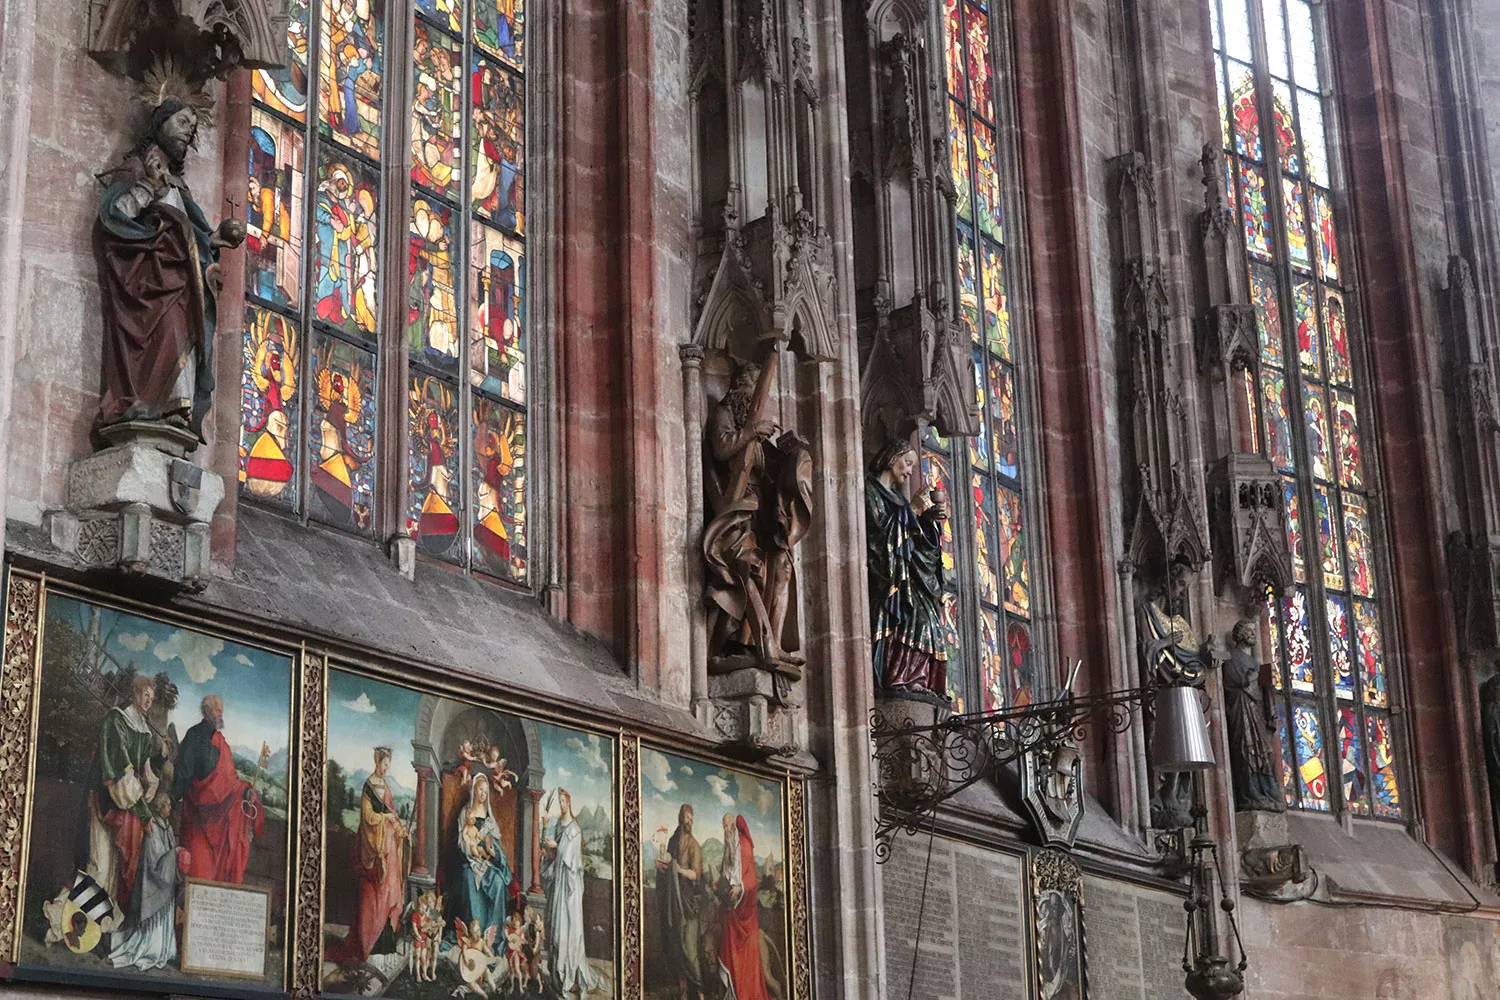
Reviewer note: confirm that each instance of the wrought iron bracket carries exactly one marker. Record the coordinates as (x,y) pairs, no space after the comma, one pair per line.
(919,767)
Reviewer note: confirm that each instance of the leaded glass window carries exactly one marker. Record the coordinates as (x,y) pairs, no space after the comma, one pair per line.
(1325,635)
(323,141)
(987,609)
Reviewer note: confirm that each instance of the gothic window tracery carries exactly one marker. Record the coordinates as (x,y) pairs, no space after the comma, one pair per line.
(317,404)
(986,542)
(1326,634)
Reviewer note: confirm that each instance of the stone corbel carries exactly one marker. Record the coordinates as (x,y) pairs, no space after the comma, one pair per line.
(916,374)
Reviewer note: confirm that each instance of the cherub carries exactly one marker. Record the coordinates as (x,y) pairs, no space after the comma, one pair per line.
(476,958)
(536,947)
(515,953)
(501,778)
(426,921)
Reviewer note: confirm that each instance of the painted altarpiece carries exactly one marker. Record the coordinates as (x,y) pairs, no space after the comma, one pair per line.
(364,836)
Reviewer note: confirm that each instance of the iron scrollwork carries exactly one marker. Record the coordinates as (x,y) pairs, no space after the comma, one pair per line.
(919,767)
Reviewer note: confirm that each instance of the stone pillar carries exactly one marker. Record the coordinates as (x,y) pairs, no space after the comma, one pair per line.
(419,819)
(536,840)
(692,390)
(17,41)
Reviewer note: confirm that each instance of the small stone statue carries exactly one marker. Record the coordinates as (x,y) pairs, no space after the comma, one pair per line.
(905,557)
(760,495)
(1172,655)
(1489,718)
(158,277)
(1249,725)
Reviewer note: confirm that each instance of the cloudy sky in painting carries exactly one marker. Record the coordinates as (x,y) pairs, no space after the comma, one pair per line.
(254,683)
(669,781)
(364,714)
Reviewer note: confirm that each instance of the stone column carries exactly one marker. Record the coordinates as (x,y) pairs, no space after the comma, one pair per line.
(17,40)
(419,850)
(692,412)
(536,840)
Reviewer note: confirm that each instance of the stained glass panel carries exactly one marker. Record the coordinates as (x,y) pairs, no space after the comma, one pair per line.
(1278,420)
(270,409)
(1319,440)
(431,306)
(346,269)
(433,473)
(1294,204)
(987,183)
(447,13)
(979,444)
(986,541)
(1298,649)
(1312,775)
(937,472)
(1273,634)
(1246,113)
(1328,538)
(1304,53)
(1267,312)
(1340,369)
(1292,508)
(285,89)
(1284,125)
(341,440)
(1256,214)
(1003,420)
(1236,30)
(1371,654)
(1359,546)
(992,677)
(352,62)
(1328,244)
(499,28)
(1309,343)
(498,145)
(1313,142)
(968,282)
(1013,554)
(1275,38)
(1022,664)
(957,669)
(1383,767)
(1352,763)
(1288,761)
(958,150)
(1346,424)
(996,309)
(436,110)
(1252,410)
(953,37)
(499,492)
(274,212)
(1338,647)
(497,313)
(981,88)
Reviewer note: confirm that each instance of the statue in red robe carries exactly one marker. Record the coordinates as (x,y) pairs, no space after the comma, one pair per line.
(739,945)
(221,812)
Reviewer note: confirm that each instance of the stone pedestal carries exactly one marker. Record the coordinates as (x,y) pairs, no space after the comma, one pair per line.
(752,710)
(908,765)
(140,506)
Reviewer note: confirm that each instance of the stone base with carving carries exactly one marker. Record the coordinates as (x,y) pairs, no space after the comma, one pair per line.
(1269,862)
(140,507)
(751,711)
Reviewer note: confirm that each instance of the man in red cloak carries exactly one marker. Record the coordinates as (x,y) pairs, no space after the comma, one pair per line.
(739,947)
(221,812)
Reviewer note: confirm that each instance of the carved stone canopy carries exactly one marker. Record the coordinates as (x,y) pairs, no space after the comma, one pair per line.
(1249,525)
(202,38)
(915,374)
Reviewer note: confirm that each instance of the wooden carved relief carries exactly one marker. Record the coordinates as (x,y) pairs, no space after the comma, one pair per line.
(18,683)
(307,949)
(632,982)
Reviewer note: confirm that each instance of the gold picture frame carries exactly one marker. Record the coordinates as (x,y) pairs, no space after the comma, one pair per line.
(300,931)
(1059,946)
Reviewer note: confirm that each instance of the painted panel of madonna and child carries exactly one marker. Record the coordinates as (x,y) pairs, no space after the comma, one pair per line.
(469,851)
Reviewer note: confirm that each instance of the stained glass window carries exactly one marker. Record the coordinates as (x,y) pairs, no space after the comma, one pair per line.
(328,152)
(1326,634)
(990,595)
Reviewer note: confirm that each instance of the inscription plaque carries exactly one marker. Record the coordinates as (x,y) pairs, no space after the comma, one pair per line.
(224,929)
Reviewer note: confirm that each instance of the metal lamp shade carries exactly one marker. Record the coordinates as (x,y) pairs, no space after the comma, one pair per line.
(1179,741)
